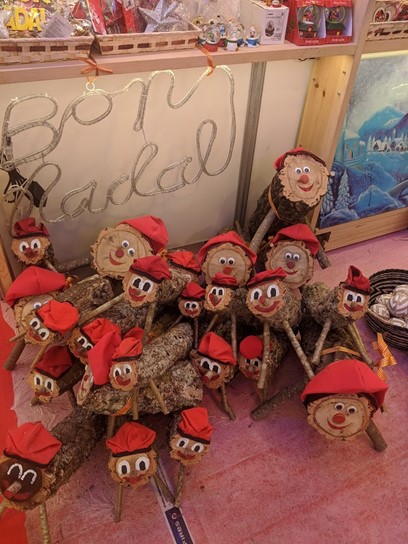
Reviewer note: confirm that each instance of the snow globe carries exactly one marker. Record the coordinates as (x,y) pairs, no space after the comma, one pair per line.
(252,37)
(233,35)
(212,36)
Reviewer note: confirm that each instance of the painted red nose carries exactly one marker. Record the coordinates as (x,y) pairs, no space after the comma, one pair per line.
(304,178)
(227,270)
(339,418)
(119,253)
(290,264)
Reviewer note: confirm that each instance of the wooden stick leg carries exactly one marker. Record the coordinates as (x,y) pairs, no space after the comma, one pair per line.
(359,344)
(265,356)
(262,230)
(117,515)
(49,265)
(72,397)
(373,432)
(180,484)
(320,342)
(163,488)
(45,529)
(298,348)
(158,396)
(225,403)
(17,336)
(212,323)
(195,333)
(103,308)
(149,321)
(135,404)
(111,426)
(234,342)
(14,354)
(266,407)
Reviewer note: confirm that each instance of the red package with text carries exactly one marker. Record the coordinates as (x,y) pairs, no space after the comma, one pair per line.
(113,17)
(96,15)
(129,12)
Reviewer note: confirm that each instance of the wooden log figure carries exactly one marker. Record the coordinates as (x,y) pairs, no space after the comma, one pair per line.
(191,304)
(341,400)
(88,294)
(296,189)
(273,303)
(31,243)
(37,462)
(250,354)
(190,442)
(215,362)
(184,262)
(54,374)
(116,248)
(133,460)
(229,254)
(83,339)
(294,249)
(339,307)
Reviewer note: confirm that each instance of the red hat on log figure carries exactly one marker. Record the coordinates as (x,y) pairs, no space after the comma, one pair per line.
(300,232)
(32,442)
(34,281)
(228,237)
(56,361)
(132,437)
(347,376)
(58,316)
(185,260)
(100,357)
(356,281)
(195,424)
(153,228)
(251,347)
(267,276)
(153,267)
(216,348)
(280,161)
(129,349)
(97,328)
(193,291)
(224,280)
(27,227)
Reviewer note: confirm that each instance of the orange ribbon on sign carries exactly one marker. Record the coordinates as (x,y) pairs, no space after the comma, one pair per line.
(387,358)
(93,67)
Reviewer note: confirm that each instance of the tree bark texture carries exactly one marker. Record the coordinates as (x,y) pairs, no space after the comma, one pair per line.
(87,294)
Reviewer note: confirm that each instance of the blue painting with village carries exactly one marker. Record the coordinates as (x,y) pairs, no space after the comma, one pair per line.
(370,168)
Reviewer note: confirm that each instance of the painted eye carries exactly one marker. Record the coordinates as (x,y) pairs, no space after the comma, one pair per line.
(272,290)
(352,410)
(35,244)
(255,362)
(255,294)
(187,305)
(83,342)
(30,474)
(127,369)
(298,170)
(339,406)
(147,286)
(349,297)
(131,252)
(37,379)
(49,384)
(213,291)
(216,368)
(194,306)
(35,323)
(44,333)
(231,261)
(182,442)
(288,255)
(117,372)
(296,256)
(360,299)
(142,463)
(222,260)
(220,292)
(125,244)
(306,170)
(123,468)
(137,281)
(37,305)
(23,246)
(205,363)
(16,469)
(197,447)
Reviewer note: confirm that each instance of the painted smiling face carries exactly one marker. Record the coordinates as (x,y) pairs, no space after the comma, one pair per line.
(139,290)
(133,470)
(250,367)
(187,450)
(25,475)
(37,332)
(116,248)
(190,307)
(228,259)
(267,298)
(351,304)
(217,297)
(303,179)
(27,305)
(295,259)
(45,388)
(340,416)
(79,345)
(123,375)
(30,250)
(85,386)
(213,373)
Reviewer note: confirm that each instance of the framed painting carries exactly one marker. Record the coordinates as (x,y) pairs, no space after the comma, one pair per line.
(368,192)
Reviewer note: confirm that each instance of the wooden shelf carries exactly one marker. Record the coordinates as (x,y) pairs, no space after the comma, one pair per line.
(385,46)
(178,59)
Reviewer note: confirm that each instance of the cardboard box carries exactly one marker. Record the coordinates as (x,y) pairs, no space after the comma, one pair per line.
(270,21)
(306,23)
(339,21)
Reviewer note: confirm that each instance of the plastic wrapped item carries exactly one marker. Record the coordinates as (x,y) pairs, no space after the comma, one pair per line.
(167,16)
(226,9)
(5,14)
(113,17)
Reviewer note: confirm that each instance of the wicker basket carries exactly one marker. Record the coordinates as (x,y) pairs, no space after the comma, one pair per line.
(119,44)
(388,31)
(26,50)
(384,282)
